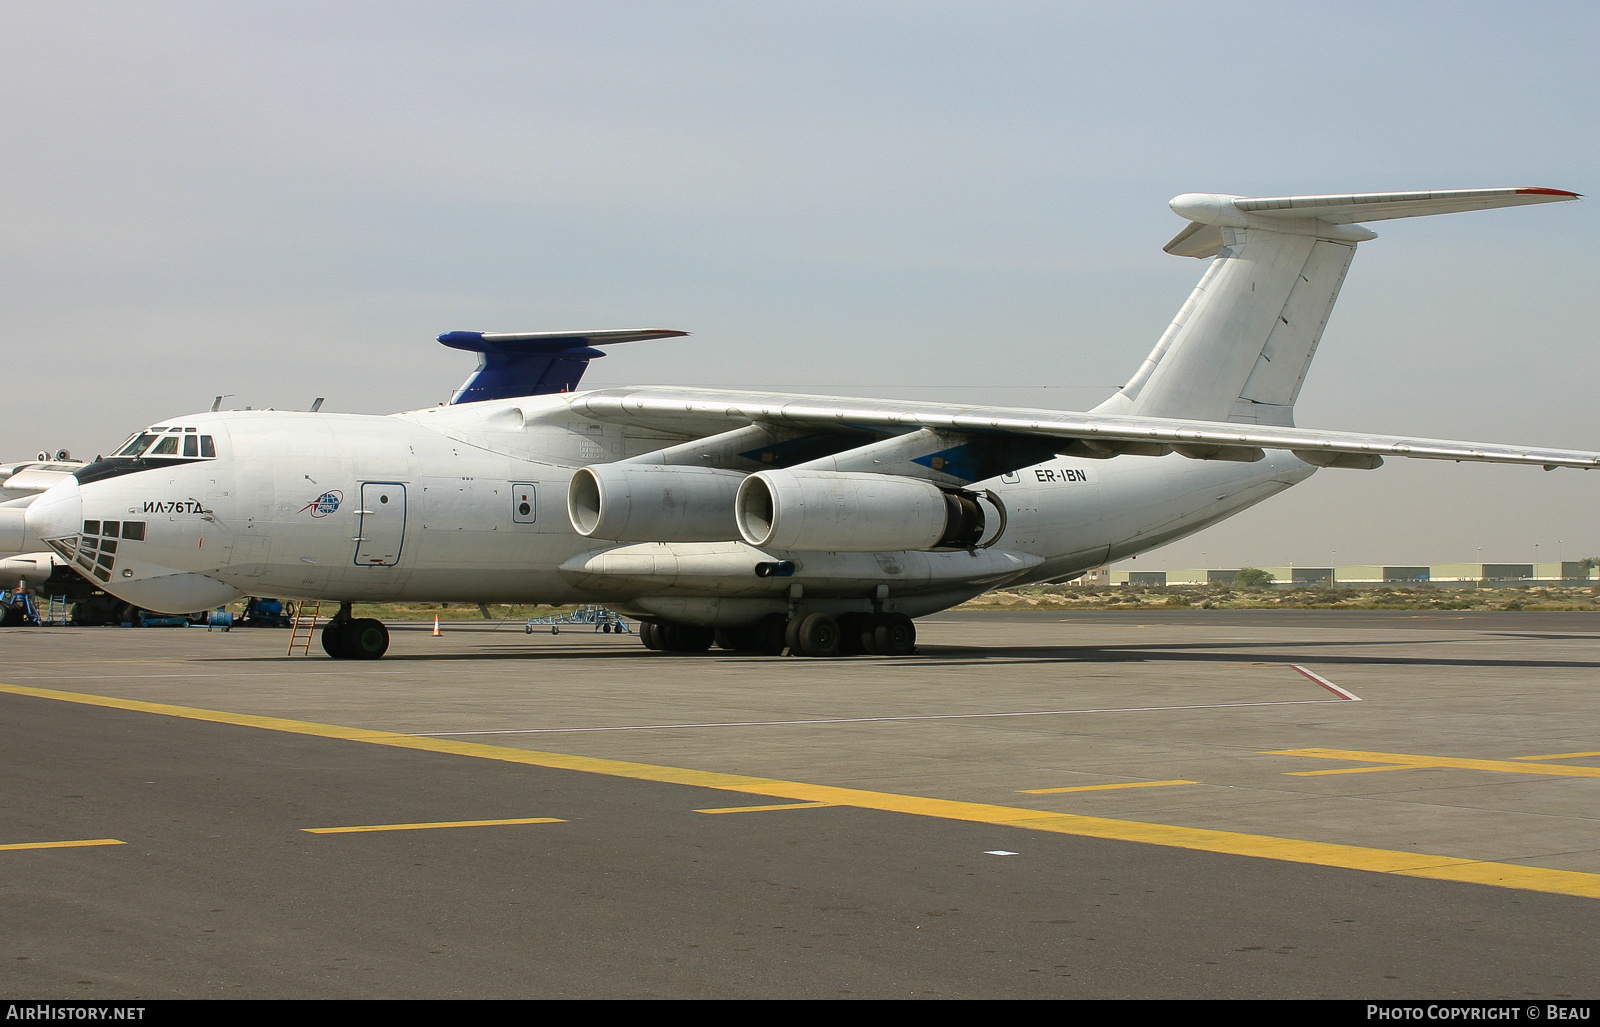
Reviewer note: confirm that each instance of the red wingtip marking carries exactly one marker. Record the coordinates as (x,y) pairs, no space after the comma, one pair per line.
(1550,192)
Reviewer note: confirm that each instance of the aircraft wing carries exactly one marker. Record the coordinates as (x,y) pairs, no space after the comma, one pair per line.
(27,479)
(703,412)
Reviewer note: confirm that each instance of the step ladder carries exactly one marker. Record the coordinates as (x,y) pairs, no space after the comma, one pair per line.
(304,627)
(55,612)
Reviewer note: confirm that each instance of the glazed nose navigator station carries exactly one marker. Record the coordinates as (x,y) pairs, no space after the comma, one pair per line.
(138,522)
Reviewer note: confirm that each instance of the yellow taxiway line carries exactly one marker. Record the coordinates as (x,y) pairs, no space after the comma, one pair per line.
(1328,854)
(62,845)
(763,809)
(1410,761)
(1101,788)
(1558,756)
(428,827)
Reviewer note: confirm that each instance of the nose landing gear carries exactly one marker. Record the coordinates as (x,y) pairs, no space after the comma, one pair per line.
(354,638)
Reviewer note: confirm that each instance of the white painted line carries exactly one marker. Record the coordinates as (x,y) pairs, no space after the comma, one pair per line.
(998,852)
(1343,693)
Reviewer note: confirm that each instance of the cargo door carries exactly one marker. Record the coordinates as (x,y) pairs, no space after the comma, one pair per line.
(380,524)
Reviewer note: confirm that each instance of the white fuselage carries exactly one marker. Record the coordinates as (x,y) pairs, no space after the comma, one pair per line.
(468,503)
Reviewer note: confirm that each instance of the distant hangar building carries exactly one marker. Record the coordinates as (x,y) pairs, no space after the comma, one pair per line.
(1568,572)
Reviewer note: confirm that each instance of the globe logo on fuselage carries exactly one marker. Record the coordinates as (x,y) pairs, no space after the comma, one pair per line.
(324,504)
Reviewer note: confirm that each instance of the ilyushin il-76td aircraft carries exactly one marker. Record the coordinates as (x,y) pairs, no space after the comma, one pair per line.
(765,522)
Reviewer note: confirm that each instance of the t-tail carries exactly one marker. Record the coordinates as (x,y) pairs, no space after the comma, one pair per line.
(1239,348)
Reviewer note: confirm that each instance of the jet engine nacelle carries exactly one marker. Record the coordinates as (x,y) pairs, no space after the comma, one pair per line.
(654,503)
(850,512)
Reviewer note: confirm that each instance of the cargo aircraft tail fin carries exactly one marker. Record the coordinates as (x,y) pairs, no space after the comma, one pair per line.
(512,364)
(1239,348)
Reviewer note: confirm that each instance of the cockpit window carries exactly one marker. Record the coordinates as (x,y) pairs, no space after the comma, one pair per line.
(166,443)
(158,446)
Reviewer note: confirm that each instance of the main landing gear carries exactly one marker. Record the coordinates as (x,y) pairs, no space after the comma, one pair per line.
(807,634)
(354,638)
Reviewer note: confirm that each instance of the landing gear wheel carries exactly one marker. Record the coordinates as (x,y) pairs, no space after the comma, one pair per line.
(851,627)
(366,639)
(11,616)
(895,635)
(818,635)
(685,638)
(769,634)
(333,638)
(650,634)
(868,637)
(751,639)
(791,635)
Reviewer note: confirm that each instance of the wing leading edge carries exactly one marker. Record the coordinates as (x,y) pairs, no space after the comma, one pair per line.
(710,411)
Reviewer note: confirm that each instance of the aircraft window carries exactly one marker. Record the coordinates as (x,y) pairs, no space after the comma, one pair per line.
(191,429)
(191,446)
(135,447)
(206,447)
(166,447)
(108,546)
(91,527)
(111,528)
(133,530)
(103,575)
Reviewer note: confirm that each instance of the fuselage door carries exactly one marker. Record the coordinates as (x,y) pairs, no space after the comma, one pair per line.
(380,524)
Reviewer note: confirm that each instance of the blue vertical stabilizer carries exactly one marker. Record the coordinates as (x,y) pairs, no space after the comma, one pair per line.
(514,364)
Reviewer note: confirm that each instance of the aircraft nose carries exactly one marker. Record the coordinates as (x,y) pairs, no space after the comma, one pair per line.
(58,512)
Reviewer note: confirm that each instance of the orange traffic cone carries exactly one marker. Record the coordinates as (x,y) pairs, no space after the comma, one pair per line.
(436,631)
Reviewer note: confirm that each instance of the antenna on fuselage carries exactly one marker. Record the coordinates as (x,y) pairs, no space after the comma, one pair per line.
(216,404)
(316,404)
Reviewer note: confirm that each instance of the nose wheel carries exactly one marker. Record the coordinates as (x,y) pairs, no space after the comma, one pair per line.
(355,639)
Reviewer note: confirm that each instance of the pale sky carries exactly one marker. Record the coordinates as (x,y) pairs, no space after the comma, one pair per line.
(957,201)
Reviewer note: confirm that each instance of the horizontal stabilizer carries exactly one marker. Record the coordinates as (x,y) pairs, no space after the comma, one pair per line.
(1211,212)
(1357,207)
(514,364)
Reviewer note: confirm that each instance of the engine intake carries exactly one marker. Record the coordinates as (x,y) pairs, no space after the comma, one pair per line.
(654,503)
(851,512)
